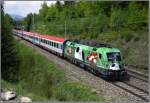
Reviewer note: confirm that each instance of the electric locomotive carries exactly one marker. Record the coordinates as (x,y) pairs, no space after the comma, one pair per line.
(100,59)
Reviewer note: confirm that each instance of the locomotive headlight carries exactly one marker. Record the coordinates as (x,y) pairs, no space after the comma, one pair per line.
(114,66)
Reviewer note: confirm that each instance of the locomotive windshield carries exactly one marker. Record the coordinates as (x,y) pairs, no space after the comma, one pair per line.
(114,56)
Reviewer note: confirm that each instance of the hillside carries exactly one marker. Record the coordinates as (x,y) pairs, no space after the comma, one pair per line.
(16,17)
(122,24)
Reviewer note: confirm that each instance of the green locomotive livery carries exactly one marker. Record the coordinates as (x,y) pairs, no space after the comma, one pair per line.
(101,59)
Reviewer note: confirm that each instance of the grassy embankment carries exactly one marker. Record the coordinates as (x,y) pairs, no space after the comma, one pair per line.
(40,80)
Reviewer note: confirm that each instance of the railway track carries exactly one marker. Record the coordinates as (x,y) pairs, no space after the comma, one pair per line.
(137,75)
(143,95)
(131,87)
(137,85)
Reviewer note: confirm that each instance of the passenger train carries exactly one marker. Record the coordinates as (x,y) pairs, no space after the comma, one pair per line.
(100,59)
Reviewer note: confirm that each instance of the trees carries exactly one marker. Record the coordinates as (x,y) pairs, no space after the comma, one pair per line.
(9,57)
(28,22)
(43,12)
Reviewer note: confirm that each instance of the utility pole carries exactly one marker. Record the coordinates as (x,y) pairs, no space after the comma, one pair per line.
(65,30)
(33,29)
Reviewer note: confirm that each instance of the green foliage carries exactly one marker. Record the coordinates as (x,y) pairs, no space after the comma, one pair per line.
(28,23)
(74,92)
(137,16)
(9,57)
(117,19)
(43,11)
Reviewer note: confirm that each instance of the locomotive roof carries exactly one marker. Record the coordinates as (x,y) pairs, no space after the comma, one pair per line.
(92,43)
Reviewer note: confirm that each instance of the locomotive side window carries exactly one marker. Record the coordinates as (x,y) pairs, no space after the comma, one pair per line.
(77,50)
(100,56)
(82,55)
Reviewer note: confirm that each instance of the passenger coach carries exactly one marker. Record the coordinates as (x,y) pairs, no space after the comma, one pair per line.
(52,43)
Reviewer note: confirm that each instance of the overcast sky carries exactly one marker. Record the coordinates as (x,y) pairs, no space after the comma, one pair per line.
(23,8)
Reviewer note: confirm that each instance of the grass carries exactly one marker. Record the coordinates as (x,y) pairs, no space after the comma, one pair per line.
(40,80)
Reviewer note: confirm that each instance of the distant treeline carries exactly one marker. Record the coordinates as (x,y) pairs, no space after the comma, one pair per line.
(90,17)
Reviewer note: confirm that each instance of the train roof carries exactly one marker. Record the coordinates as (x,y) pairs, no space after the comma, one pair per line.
(44,36)
(92,43)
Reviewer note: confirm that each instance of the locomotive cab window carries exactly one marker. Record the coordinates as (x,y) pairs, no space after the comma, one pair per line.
(114,56)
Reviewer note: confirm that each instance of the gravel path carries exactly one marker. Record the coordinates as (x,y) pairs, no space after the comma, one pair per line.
(102,87)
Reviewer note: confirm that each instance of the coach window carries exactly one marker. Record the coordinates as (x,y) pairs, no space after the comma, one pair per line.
(52,43)
(49,42)
(45,41)
(56,45)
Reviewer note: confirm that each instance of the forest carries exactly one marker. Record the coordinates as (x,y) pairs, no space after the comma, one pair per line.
(122,24)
